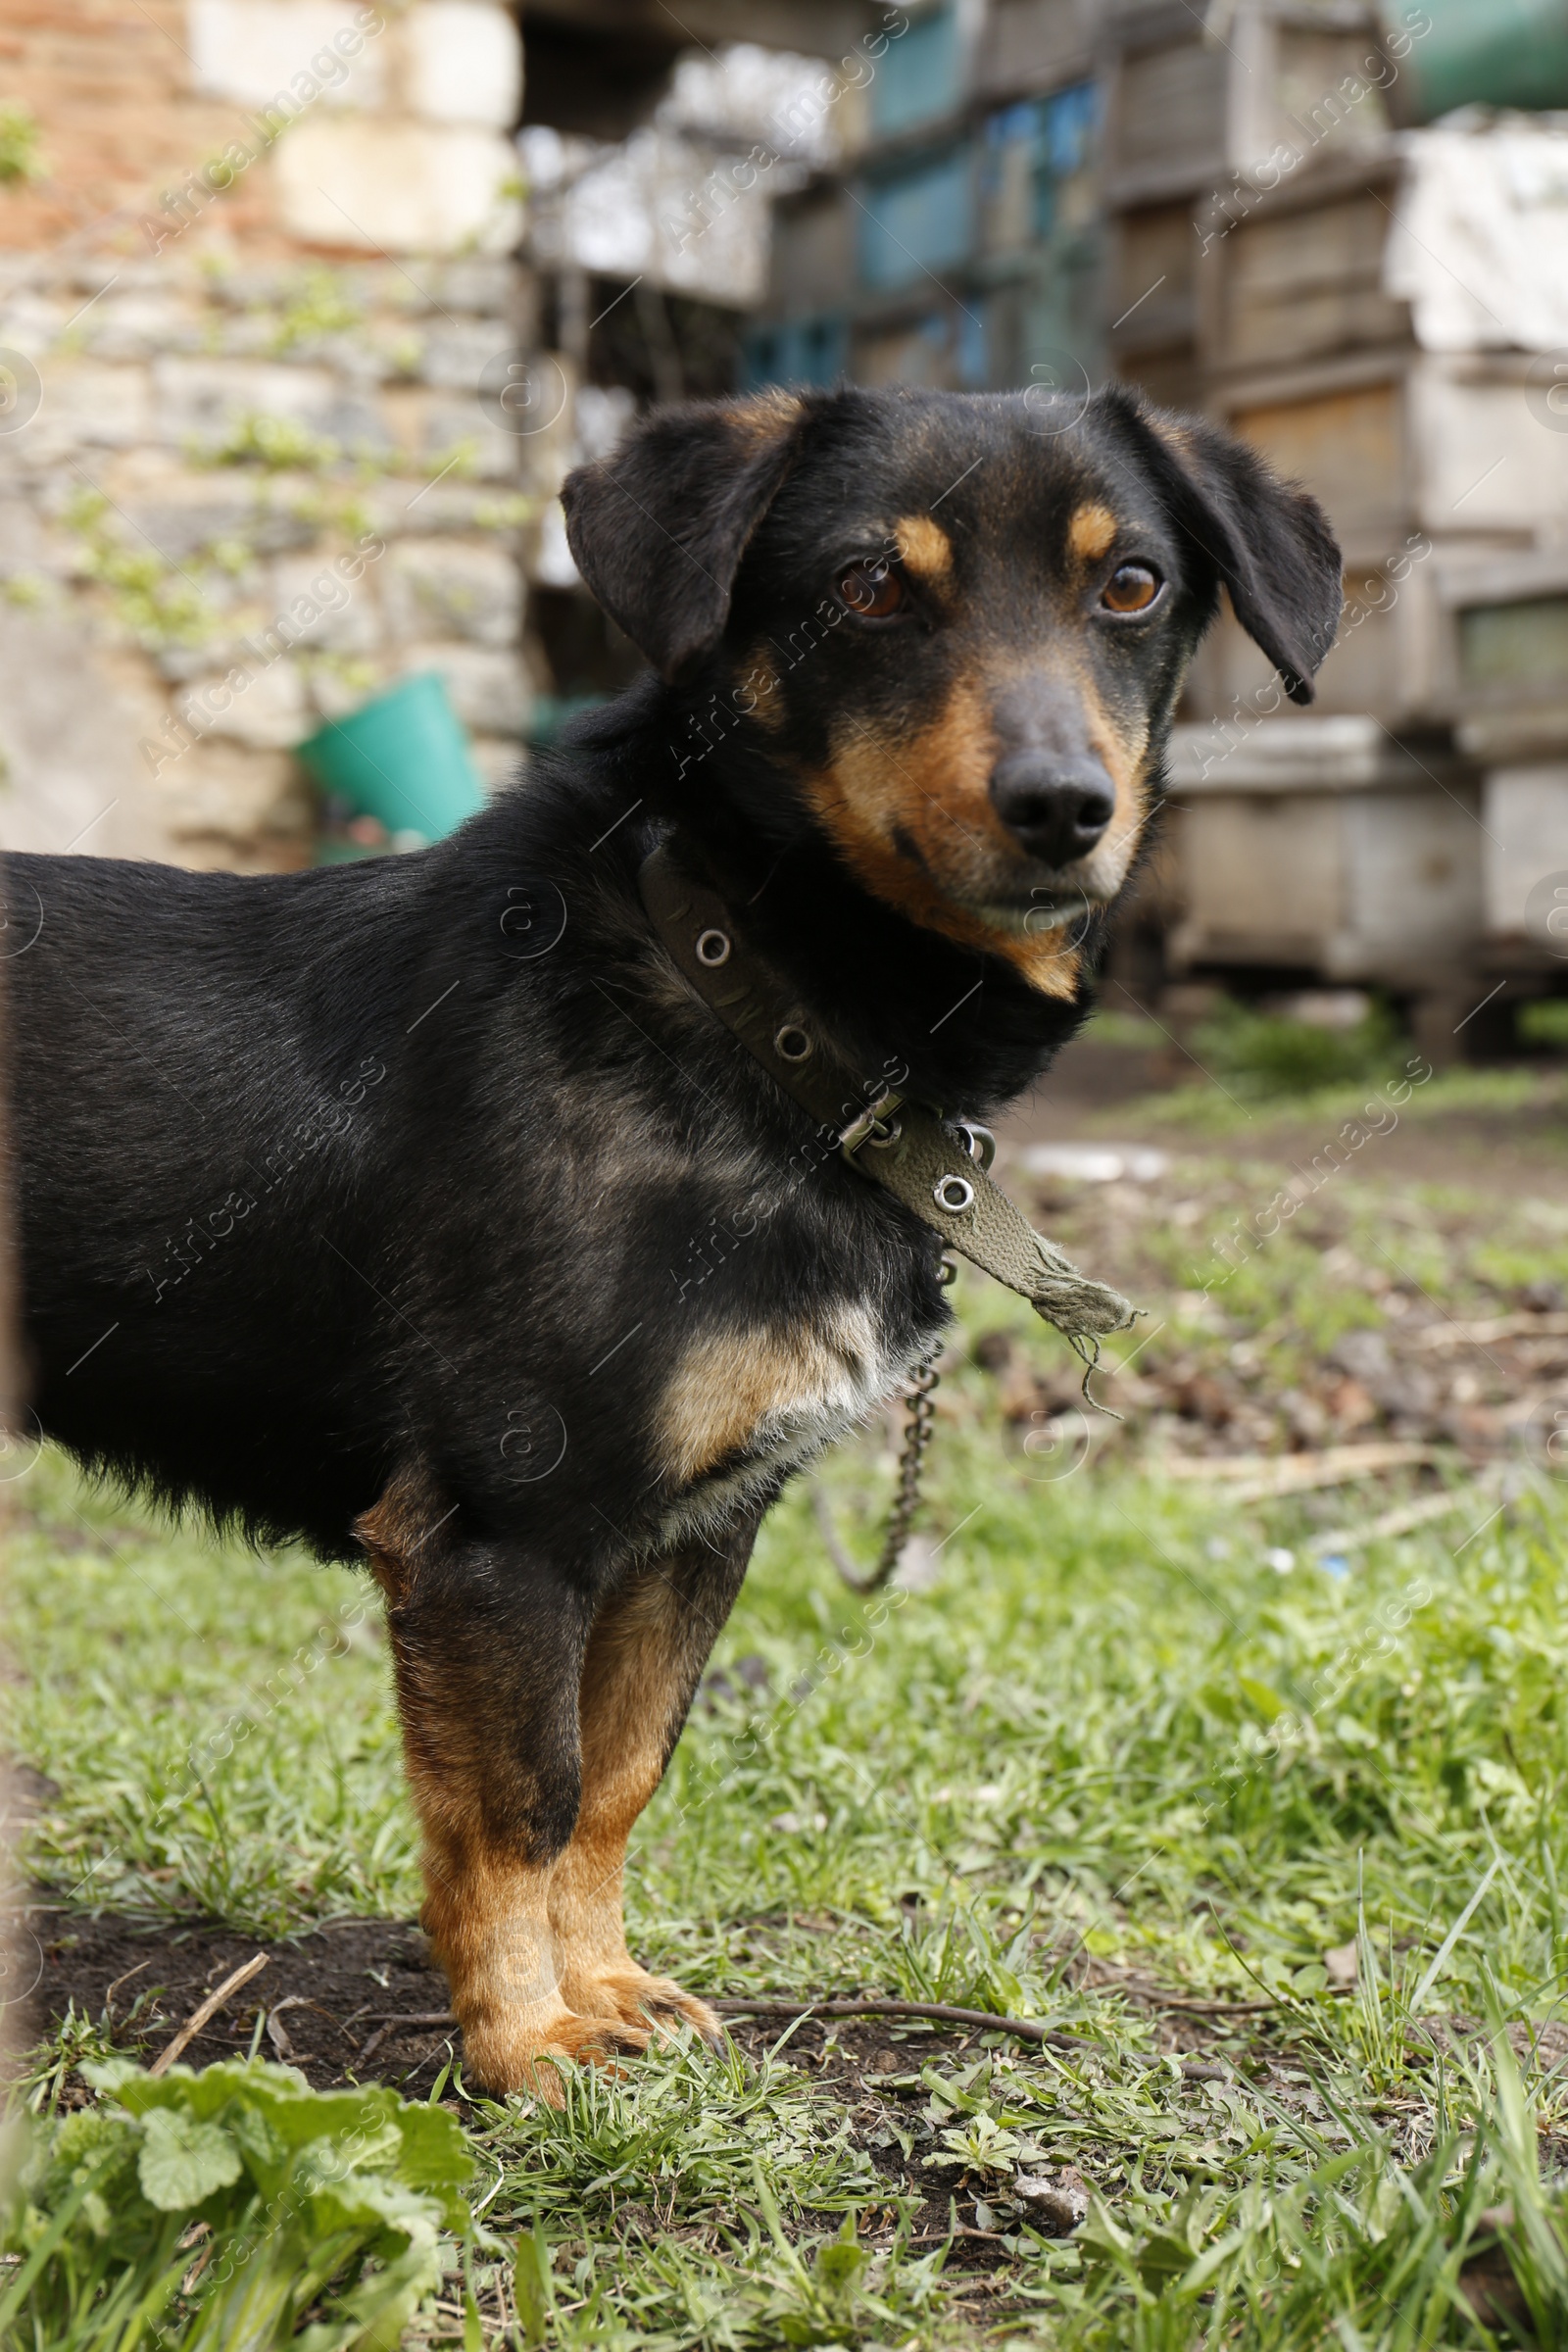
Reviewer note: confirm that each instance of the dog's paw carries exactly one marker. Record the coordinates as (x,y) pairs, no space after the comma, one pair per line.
(639,1998)
(507,2055)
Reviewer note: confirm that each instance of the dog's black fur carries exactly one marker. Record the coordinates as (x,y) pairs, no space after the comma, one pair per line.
(418,1208)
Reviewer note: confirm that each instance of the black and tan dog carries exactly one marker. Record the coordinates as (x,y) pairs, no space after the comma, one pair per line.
(372,1204)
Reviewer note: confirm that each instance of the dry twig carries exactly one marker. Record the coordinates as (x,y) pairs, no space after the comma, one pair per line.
(208,2009)
(767,2005)
(1261,1477)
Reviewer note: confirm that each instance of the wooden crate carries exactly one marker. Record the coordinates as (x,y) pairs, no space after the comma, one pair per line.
(1323,845)
(1505,651)
(1525,810)
(1032,45)
(1349,445)
(1303,281)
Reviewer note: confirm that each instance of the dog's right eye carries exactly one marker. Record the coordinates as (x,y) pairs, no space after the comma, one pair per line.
(1131,588)
(873,590)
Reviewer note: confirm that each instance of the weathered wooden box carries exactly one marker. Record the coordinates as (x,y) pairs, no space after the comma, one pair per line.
(1325,846)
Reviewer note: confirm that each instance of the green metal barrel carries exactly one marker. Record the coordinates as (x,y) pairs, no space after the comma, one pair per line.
(1486,52)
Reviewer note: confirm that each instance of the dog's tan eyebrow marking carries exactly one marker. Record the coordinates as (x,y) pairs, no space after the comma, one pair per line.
(1092,532)
(925,547)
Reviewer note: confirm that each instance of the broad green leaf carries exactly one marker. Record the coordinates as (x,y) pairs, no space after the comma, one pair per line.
(184,2162)
(434,2153)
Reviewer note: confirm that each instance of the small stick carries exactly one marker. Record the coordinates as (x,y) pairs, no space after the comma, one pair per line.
(940,2011)
(389,2021)
(1171,2000)
(404,2017)
(208,2009)
(848,1567)
(769,2006)
(109,1997)
(304,2000)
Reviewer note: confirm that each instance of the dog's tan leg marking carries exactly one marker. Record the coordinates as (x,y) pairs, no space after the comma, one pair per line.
(646,1653)
(488,1920)
(487,1866)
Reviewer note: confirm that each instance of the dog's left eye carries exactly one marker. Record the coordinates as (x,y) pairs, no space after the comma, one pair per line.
(1131,588)
(873,590)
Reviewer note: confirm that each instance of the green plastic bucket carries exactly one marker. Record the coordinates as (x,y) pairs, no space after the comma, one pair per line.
(403,758)
(553,711)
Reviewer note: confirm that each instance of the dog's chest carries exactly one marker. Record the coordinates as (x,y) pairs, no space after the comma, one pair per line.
(749,1397)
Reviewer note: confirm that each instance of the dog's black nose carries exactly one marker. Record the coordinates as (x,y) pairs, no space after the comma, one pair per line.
(1057,808)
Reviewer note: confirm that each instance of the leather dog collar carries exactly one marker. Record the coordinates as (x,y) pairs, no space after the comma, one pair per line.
(935,1166)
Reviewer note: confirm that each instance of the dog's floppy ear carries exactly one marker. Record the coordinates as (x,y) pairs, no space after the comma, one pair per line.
(1269,541)
(659,527)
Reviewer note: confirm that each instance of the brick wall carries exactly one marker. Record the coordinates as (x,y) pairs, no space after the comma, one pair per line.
(248,294)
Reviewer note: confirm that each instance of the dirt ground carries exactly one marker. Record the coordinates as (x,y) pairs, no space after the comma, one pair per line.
(359,2000)
(1093,1092)
(1482,1383)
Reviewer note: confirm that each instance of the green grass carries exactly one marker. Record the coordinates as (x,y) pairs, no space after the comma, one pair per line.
(1111,1749)
(1543,1022)
(220,1726)
(1211,1110)
(1264,1055)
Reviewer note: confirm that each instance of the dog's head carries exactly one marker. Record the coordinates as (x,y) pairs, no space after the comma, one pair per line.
(955,626)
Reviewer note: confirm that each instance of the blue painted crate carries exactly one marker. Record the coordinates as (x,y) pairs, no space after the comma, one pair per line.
(795,351)
(917,221)
(1029,149)
(916,78)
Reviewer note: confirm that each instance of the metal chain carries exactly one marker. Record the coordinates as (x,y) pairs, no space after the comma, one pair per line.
(920,1415)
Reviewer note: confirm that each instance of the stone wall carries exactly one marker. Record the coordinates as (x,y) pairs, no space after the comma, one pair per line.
(251,465)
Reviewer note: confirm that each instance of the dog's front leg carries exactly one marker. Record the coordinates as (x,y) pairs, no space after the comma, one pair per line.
(488,1650)
(650,1642)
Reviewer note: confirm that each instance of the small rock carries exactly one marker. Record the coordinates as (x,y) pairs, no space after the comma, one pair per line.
(1351,1406)
(1203,1398)
(1056,2207)
(1363,1355)
(919,1567)
(1341,1963)
(1305,1418)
